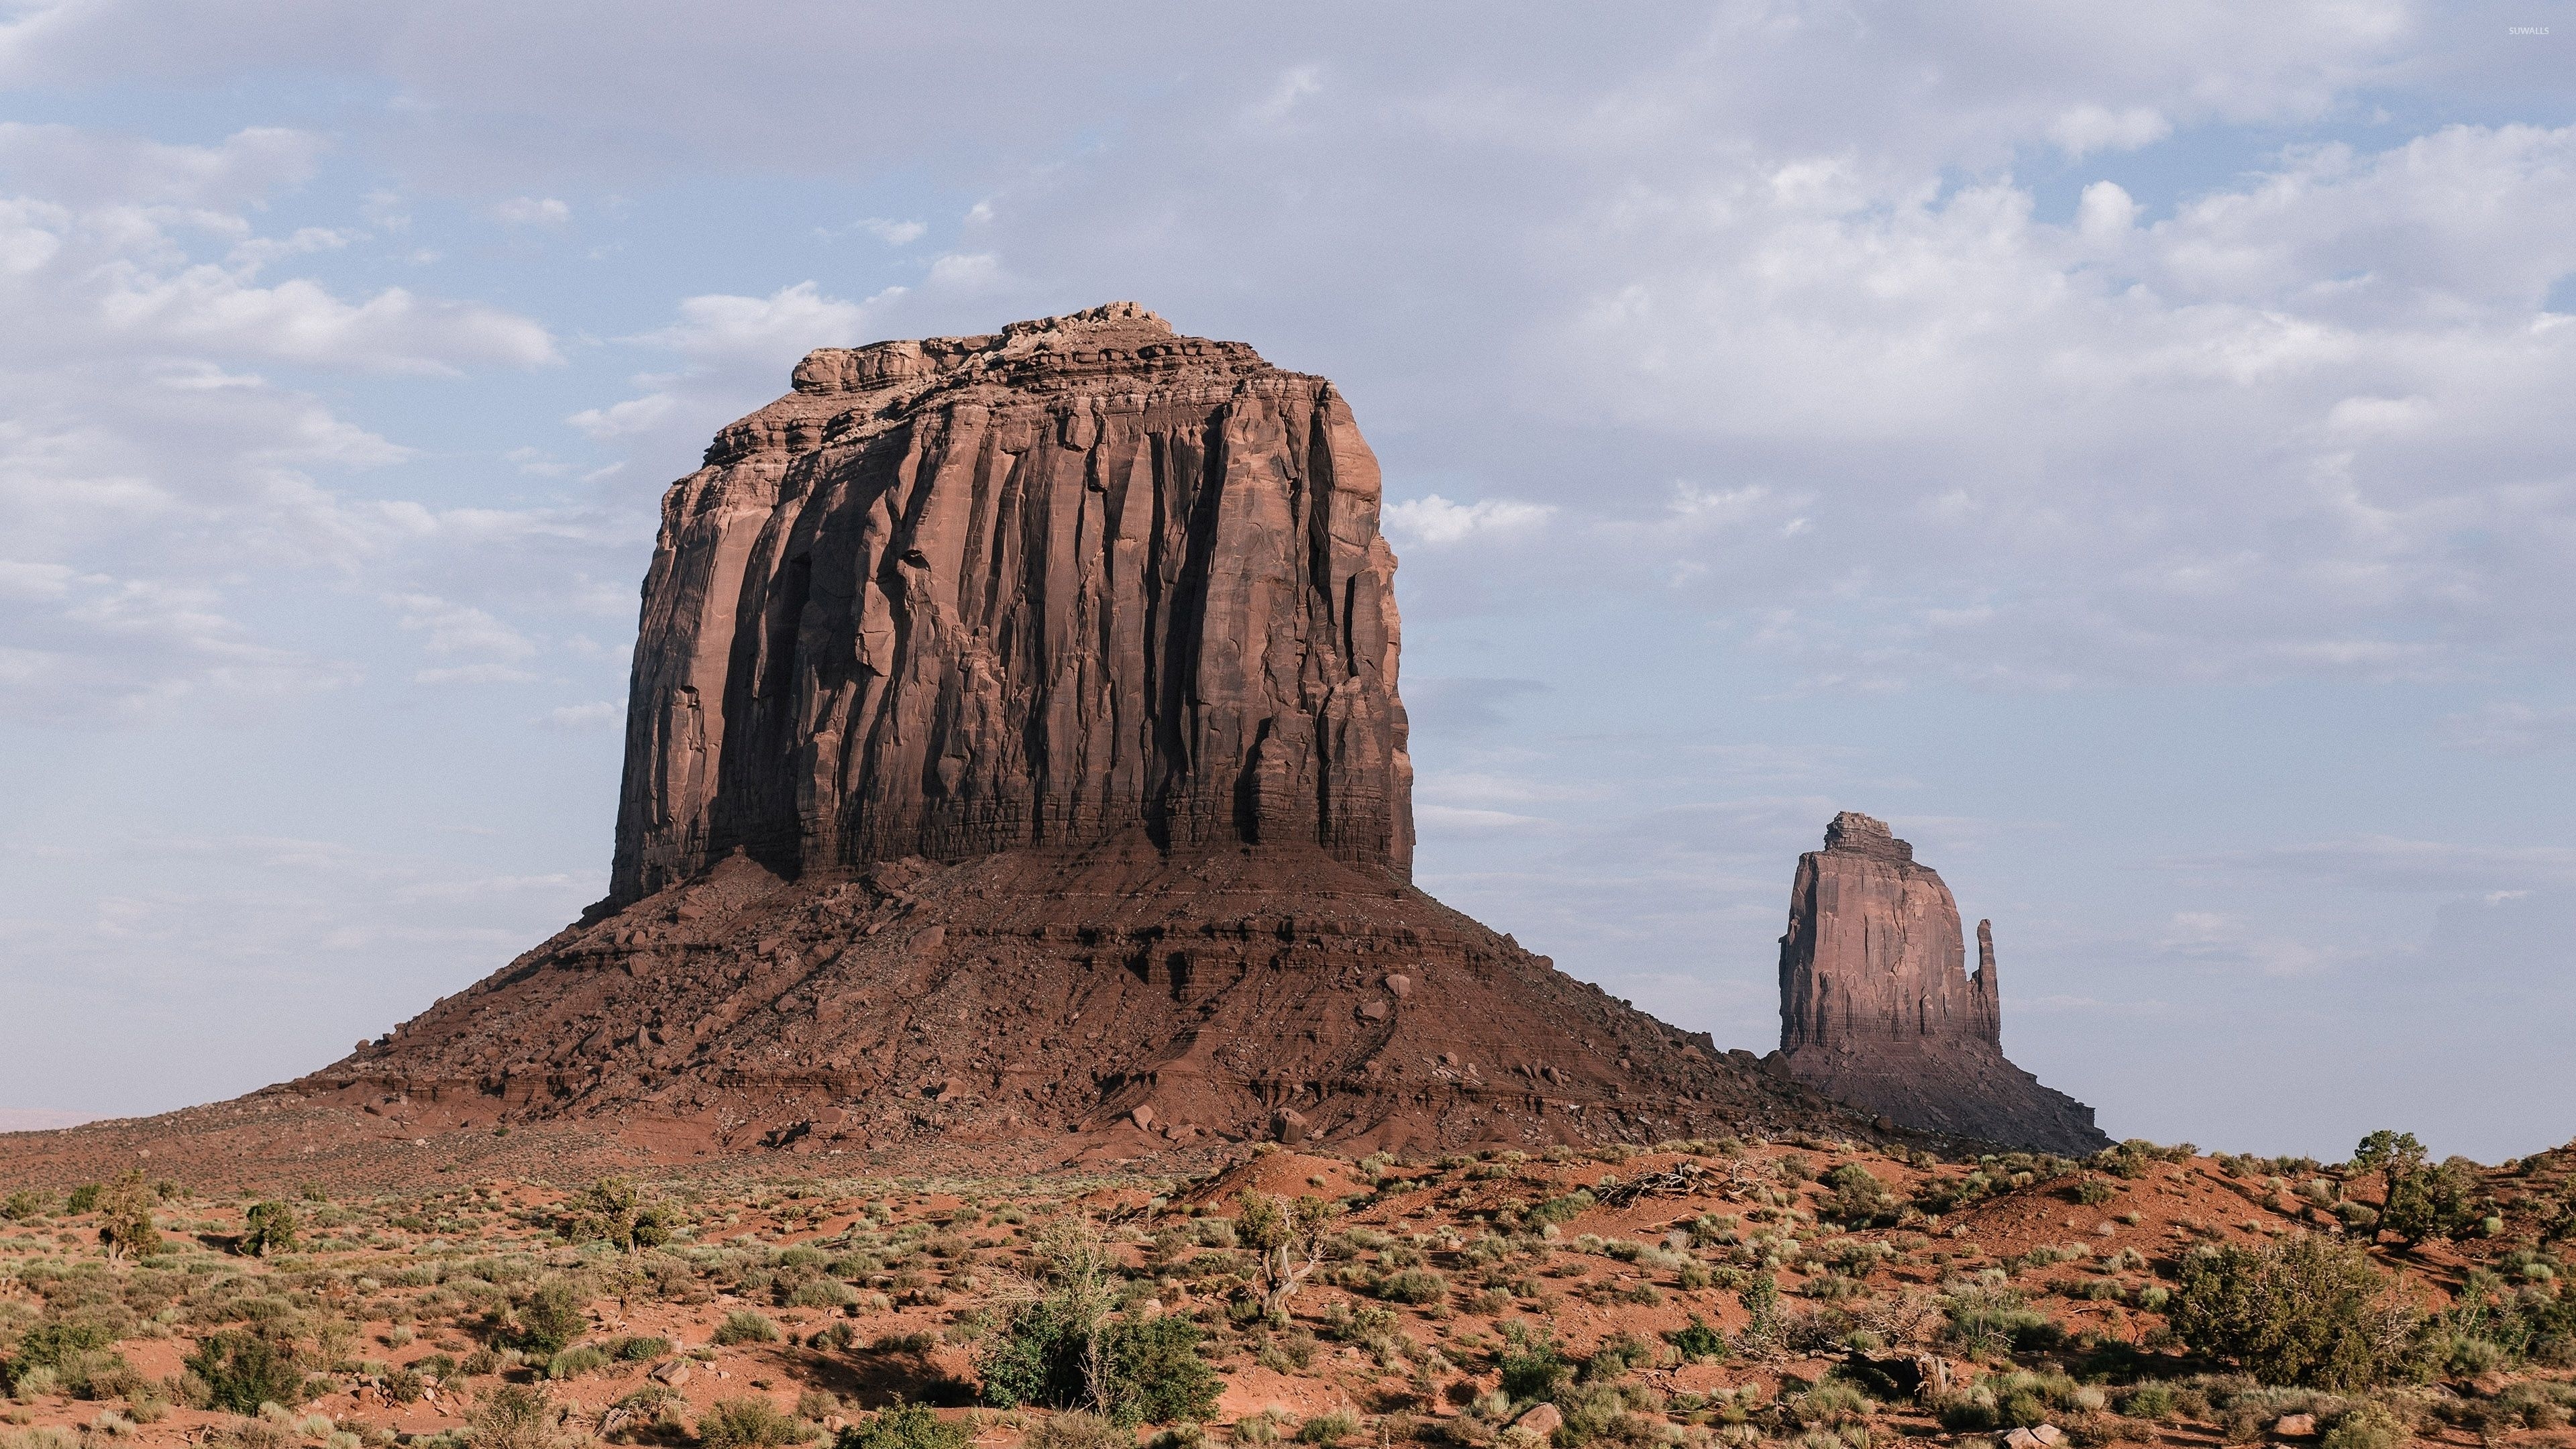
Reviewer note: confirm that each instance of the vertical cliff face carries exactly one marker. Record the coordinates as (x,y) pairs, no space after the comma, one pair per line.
(1877,1006)
(1873,951)
(1077,579)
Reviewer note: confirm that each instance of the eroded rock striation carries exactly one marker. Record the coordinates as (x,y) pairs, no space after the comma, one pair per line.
(1878,1009)
(1035,589)
(1014,758)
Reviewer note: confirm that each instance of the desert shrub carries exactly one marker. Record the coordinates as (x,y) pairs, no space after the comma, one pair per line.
(572,1363)
(1074,1429)
(125,1216)
(1559,1209)
(549,1318)
(1130,1370)
(822,1293)
(2367,1427)
(98,1374)
(1991,1320)
(615,1211)
(2153,1399)
(1413,1285)
(268,1227)
(1534,1369)
(1859,1199)
(2016,1401)
(25,1203)
(1330,1427)
(1697,1341)
(1608,1412)
(55,1341)
(1157,1375)
(749,1424)
(640,1348)
(2090,1191)
(2440,1201)
(744,1326)
(2308,1311)
(84,1198)
(243,1369)
(905,1426)
(515,1416)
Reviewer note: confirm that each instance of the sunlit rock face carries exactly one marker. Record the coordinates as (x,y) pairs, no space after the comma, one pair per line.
(1080,578)
(1877,1006)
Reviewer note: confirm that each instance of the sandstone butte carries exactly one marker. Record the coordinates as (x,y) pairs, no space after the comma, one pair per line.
(1877,1007)
(1015,770)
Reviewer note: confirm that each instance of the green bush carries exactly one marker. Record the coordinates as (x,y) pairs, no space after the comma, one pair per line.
(1992,1320)
(905,1426)
(268,1227)
(243,1370)
(1154,1372)
(1156,1375)
(549,1318)
(822,1293)
(1413,1285)
(84,1199)
(640,1348)
(125,1216)
(2367,1427)
(573,1362)
(744,1326)
(23,1204)
(1534,1370)
(1697,1341)
(749,1424)
(615,1211)
(2441,1201)
(2309,1311)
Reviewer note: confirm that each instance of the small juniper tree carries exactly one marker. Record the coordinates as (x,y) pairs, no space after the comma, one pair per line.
(269,1227)
(125,1217)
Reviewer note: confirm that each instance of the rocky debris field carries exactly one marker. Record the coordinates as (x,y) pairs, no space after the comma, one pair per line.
(1809,1290)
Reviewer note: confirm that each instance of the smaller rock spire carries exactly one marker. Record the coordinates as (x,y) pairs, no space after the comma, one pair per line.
(1877,1006)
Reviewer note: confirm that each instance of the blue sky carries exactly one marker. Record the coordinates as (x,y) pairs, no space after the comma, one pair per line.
(2127,451)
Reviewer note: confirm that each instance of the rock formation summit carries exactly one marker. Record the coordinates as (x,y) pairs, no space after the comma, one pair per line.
(1877,1007)
(1034,590)
(1015,766)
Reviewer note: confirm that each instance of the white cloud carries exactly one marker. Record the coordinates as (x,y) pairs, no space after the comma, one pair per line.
(2511,729)
(598,714)
(473,674)
(625,419)
(2082,130)
(459,629)
(787,323)
(82,167)
(537,211)
(1436,521)
(893,233)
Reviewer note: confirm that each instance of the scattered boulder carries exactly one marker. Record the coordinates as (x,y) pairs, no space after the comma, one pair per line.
(1540,1421)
